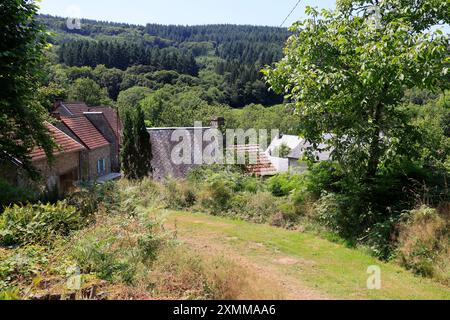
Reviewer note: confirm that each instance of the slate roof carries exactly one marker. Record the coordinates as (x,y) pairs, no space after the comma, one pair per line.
(85,131)
(162,146)
(65,144)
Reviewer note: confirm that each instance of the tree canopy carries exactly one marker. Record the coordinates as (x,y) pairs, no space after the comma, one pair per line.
(21,56)
(347,78)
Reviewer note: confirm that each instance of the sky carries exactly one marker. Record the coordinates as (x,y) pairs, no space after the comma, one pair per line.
(184,12)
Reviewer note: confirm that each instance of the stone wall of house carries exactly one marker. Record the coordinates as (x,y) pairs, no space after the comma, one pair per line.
(99,121)
(63,164)
(95,155)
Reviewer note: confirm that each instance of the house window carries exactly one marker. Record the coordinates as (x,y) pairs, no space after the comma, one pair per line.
(101,166)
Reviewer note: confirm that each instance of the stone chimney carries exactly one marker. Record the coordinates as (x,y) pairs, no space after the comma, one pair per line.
(57,103)
(56,115)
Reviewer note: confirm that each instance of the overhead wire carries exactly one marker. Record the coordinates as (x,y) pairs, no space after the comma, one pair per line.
(290,13)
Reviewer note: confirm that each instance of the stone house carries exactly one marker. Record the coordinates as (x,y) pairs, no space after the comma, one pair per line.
(104,119)
(96,159)
(61,175)
(88,142)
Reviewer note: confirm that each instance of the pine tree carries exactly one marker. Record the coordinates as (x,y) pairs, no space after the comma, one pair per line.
(137,151)
(143,146)
(129,154)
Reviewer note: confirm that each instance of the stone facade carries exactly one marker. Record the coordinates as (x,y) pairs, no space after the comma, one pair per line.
(92,158)
(101,124)
(89,158)
(62,174)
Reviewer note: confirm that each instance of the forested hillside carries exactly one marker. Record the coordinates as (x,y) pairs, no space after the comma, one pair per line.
(197,70)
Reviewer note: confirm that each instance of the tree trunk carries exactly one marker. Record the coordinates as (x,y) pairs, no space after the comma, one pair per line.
(374,152)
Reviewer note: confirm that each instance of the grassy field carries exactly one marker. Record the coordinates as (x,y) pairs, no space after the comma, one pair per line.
(304,265)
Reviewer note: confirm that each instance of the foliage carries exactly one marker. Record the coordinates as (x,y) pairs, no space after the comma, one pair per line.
(421,14)
(225,59)
(14,195)
(143,146)
(34,224)
(179,195)
(346,77)
(21,116)
(119,55)
(424,243)
(282,185)
(283,151)
(130,98)
(136,152)
(88,91)
(129,153)
(24,264)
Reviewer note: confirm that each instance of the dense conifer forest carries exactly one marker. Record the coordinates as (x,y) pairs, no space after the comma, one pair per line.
(225,58)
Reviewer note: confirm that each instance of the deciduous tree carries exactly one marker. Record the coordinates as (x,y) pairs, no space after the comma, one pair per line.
(21,56)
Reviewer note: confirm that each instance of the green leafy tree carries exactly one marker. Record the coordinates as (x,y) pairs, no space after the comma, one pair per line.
(129,99)
(21,57)
(347,76)
(109,79)
(88,91)
(49,93)
(421,14)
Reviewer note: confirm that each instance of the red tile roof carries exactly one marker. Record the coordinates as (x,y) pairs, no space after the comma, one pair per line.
(85,131)
(112,118)
(263,166)
(76,108)
(65,144)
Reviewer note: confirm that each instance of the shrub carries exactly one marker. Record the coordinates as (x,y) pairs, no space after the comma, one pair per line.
(118,249)
(109,195)
(216,194)
(283,184)
(424,243)
(38,223)
(248,184)
(86,202)
(252,207)
(14,195)
(179,194)
(322,177)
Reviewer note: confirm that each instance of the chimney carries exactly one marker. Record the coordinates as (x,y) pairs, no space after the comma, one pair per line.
(56,115)
(217,123)
(57,103)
